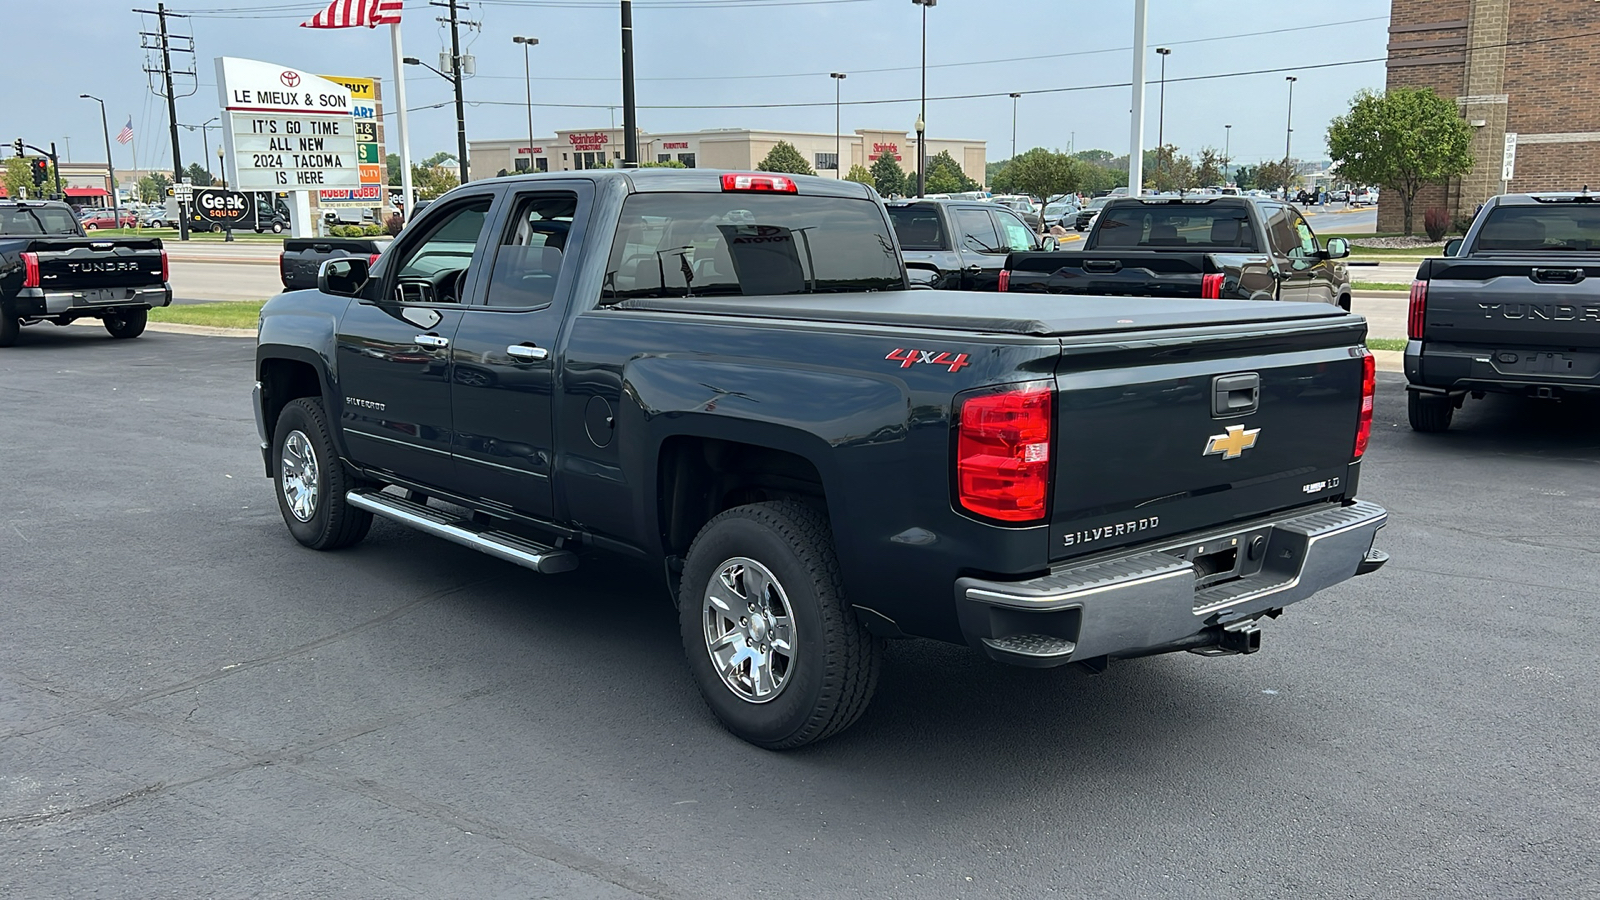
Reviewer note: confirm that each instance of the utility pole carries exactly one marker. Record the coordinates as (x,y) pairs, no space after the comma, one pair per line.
(1014,98)
(164,44)
(1288,138)
(1136,123)
(630,114)
(456,76)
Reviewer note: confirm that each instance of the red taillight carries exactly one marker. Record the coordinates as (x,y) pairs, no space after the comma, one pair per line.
(735,181)
(1211,286)
(1416,313)
(166,267)
(1003,453)
(283,273)
(30,269)
(1005,279)
(1369,389)
(372,259)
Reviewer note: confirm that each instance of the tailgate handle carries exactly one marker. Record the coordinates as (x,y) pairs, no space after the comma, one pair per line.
(1102,265)
(1557,276)
(1235,395)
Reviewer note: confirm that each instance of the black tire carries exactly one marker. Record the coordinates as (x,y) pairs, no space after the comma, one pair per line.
(1429,413)
(834,668)
(331,523)
(277,228)
(126,323)
(10,327)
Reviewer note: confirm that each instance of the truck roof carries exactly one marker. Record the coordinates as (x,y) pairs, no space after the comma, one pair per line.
(707,181)
(1582,196)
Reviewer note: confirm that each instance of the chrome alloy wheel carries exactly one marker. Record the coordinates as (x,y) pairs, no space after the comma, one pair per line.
(749,629)
(297,472)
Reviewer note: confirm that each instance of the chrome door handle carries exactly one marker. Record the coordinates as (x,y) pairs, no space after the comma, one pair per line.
(431,341)
(523,351)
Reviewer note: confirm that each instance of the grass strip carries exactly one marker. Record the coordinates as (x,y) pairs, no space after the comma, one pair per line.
(211,315)
(1386,343)
(1380,286)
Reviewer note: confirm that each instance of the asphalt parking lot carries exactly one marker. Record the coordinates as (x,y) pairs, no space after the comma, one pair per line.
(193,705)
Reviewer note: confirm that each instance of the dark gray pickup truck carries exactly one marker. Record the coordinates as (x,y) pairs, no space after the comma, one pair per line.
(1514,307)
(1218,248)
(50,271)
(725,376)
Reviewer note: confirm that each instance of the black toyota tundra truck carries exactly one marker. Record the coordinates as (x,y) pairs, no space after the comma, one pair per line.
(724,375)
(302,258)
(50,271)
(1509,309)
(1209,247)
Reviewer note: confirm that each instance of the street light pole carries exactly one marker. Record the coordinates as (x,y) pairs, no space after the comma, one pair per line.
(1227,144)
(111,170)
(922,109)
(1288,136)
(838,161)
(527,77)
(1161,114)
(1141,9)
(1014,98)
(630,113)
(455,78)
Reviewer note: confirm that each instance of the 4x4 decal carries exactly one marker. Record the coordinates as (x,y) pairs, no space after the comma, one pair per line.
(909,358)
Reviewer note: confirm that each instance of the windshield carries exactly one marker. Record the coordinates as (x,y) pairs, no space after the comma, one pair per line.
(1175,225)
(742,244)
(1556,226)
(37,220)
(917,227)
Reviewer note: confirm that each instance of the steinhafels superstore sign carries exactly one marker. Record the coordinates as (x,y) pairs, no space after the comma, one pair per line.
(287,130)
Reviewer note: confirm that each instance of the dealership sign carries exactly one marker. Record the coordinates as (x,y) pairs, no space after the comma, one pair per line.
(285,129)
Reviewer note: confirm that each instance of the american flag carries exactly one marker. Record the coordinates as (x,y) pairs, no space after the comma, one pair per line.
(126,134)
(354,13)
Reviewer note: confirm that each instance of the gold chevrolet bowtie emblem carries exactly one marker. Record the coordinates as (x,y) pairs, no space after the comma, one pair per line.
(1233,444)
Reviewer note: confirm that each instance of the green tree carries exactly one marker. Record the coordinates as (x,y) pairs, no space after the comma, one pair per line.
(991,169)
(392,163)
(438,158)
(1208,171)
(787,159)
(887,176)
(198,175)
(430,182)
(1277,175)
(1098,157)
(1167,170)
(1401,140)
(1041,173)
(1245,178)
(946,177)
(859,174)
(18,178)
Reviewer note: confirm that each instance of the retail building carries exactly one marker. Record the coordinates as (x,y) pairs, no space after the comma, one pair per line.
(717,148)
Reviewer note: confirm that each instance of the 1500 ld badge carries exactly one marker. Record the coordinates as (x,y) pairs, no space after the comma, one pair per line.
(1116,529)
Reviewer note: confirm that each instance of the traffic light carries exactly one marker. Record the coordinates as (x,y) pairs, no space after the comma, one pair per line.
(41,171)
(17,146)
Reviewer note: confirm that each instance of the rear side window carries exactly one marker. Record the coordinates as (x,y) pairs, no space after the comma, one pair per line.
(1558,226)
(742,244)
(977,231)
(918,227)
(529,261)
(1186,225)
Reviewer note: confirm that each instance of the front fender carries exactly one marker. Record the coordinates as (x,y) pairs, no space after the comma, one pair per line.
(303,326)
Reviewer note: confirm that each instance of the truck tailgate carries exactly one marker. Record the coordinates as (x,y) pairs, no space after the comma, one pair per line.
(1147,446)
(1544,301)
(76,264)
(1138,273)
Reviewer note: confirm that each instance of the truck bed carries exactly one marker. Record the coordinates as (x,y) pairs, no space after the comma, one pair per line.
(1025,314)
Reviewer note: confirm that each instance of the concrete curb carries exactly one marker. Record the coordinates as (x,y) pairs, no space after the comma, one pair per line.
(1390,360)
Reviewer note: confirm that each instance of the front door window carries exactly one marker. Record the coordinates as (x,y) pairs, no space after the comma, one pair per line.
(434,270)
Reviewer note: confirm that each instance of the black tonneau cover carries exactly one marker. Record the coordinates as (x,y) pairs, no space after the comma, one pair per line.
(1035,314)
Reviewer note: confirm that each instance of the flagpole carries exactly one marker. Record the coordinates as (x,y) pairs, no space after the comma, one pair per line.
(400,112)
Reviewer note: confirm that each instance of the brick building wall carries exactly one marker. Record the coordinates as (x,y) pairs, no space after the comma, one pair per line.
(1496,59)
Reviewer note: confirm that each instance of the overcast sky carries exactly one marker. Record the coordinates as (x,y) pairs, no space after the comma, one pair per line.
(739,53)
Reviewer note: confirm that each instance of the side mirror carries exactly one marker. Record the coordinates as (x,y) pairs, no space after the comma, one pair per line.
(1453,246)
(343,277)
(1049,244)
(1338,248)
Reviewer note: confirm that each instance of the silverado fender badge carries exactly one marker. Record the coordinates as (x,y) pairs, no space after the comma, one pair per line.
(1233,444)
(909,358)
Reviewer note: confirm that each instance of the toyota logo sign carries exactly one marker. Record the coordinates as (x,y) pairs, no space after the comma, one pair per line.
(289,79)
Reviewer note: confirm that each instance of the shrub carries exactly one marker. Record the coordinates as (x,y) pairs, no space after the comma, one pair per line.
(374,230)
(1435,221)
(1461,224)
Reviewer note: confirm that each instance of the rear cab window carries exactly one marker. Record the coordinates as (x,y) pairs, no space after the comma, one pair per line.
(1549,226)
(743,244)
(22,220)
(1202,226)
